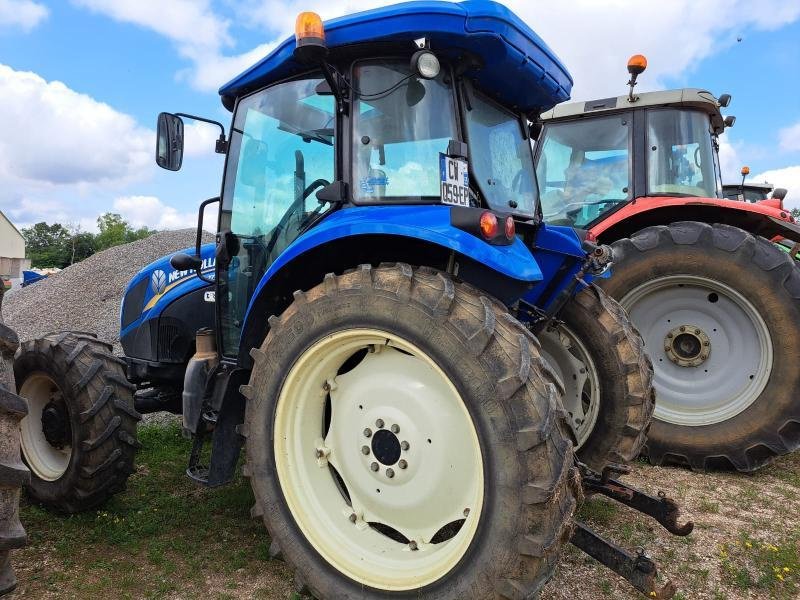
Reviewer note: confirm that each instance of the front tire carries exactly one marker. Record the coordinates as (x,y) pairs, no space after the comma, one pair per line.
(719,310)
(608,378)
(79,438)
(471,489)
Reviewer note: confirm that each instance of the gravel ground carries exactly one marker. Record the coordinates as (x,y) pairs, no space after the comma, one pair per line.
(87,296)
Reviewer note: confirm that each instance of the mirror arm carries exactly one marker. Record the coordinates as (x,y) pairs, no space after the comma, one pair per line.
(199,240)
(222,142)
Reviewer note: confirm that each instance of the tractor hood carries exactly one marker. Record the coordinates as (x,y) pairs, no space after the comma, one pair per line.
(516,66)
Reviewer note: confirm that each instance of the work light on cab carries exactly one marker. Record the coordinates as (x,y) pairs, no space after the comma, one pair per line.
(489,226)
(310,38)
(425,63)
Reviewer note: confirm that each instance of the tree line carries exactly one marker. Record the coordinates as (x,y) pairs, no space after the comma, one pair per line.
(60,245)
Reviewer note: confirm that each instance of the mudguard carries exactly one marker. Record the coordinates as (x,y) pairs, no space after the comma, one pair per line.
(430,224)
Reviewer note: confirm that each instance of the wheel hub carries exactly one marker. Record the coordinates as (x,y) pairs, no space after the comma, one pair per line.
(386,447)
(687,346)
(55,424)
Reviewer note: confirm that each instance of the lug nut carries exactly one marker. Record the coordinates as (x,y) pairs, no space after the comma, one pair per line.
(670,335)
(666,348)
(353,518)
(365,450)
(466,512)
(374,466)
(319,453)
(683,328)
(697,332)
(704,356)
(379,423)
(368,432)
(404,445)
(390,473)
(412,545)
(706,343)
(402,464)
(395,428)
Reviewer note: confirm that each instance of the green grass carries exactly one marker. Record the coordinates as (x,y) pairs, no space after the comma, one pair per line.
(772,566)
(161,536)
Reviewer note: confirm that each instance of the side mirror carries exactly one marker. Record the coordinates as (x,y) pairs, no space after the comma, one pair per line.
(169,146)
(779,193)
(185,262)
(725,100)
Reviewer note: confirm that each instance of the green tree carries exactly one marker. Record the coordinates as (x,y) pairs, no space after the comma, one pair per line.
(796,213)
(114,230)
(47,245)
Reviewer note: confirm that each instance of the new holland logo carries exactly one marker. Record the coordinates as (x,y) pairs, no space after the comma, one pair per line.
(158,281)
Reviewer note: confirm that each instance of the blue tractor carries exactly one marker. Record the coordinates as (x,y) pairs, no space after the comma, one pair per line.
(407,354)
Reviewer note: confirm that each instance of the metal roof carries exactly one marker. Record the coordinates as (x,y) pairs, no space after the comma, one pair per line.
(518,68)
(685,98)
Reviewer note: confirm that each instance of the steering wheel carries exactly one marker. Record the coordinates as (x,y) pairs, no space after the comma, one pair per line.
(697,157)
(299,203)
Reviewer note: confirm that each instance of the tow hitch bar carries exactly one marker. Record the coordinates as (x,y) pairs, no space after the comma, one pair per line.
(639,570)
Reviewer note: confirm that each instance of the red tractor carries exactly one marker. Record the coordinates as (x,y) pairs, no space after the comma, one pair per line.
(717,303)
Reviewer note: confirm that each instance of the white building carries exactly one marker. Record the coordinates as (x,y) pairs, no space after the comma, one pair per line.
(12,250)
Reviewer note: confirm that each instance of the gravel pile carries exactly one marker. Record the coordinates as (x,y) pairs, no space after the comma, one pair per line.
(87,296)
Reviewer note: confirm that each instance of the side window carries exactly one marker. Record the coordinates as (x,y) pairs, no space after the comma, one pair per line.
(401,126)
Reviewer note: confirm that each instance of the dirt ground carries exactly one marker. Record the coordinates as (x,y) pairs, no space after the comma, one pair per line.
(166,538)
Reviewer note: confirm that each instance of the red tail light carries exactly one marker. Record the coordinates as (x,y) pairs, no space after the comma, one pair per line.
(510,228)
(489,226)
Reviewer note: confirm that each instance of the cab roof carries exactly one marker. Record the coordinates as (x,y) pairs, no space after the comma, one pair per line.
(518,68)
(682,98)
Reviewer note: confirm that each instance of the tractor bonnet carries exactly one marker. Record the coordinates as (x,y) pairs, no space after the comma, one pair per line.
(516,66)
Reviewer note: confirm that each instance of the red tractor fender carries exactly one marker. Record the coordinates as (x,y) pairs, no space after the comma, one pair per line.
(762,218)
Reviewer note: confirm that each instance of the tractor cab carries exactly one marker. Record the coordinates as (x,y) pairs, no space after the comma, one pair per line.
(595,157)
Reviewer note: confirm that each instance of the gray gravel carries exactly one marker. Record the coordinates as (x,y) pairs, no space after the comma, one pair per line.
(87,296)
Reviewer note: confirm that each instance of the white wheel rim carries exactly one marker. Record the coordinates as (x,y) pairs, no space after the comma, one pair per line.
(577,371)
(442,482)
(734,370)
(45,460)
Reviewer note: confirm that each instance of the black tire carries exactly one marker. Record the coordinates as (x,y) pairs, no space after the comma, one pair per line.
(13,473)
(767,278)
(625,375)
(532,484)
(101,419)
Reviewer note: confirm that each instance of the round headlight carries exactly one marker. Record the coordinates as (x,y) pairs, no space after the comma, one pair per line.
(426,64)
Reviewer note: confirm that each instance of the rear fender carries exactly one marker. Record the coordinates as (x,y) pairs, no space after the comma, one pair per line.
(759,218)
(419,235)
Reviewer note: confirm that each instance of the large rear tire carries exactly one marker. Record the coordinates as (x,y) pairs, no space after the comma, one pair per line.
(719,310)
(79,439)
(608,378)
(470,490)
(13,474)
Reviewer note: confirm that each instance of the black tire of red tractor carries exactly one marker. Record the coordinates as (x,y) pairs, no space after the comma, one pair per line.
(770,281)
(99,400)
(13,473)
(532,483)
(625,374)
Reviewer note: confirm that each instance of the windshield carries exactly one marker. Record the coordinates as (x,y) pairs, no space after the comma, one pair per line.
(500,156)
(680,157)
(400,126)
(281,153)
(583,169)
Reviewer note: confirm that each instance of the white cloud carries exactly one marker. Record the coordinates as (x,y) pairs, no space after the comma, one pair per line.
(788,177)
(24,14)
(789,137)
(63,152)
(212,70)
(52,134)
(150,211)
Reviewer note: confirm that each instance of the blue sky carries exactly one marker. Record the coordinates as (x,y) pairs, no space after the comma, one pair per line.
(83,81)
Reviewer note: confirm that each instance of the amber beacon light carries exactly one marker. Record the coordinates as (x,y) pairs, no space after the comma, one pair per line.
(309,37)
